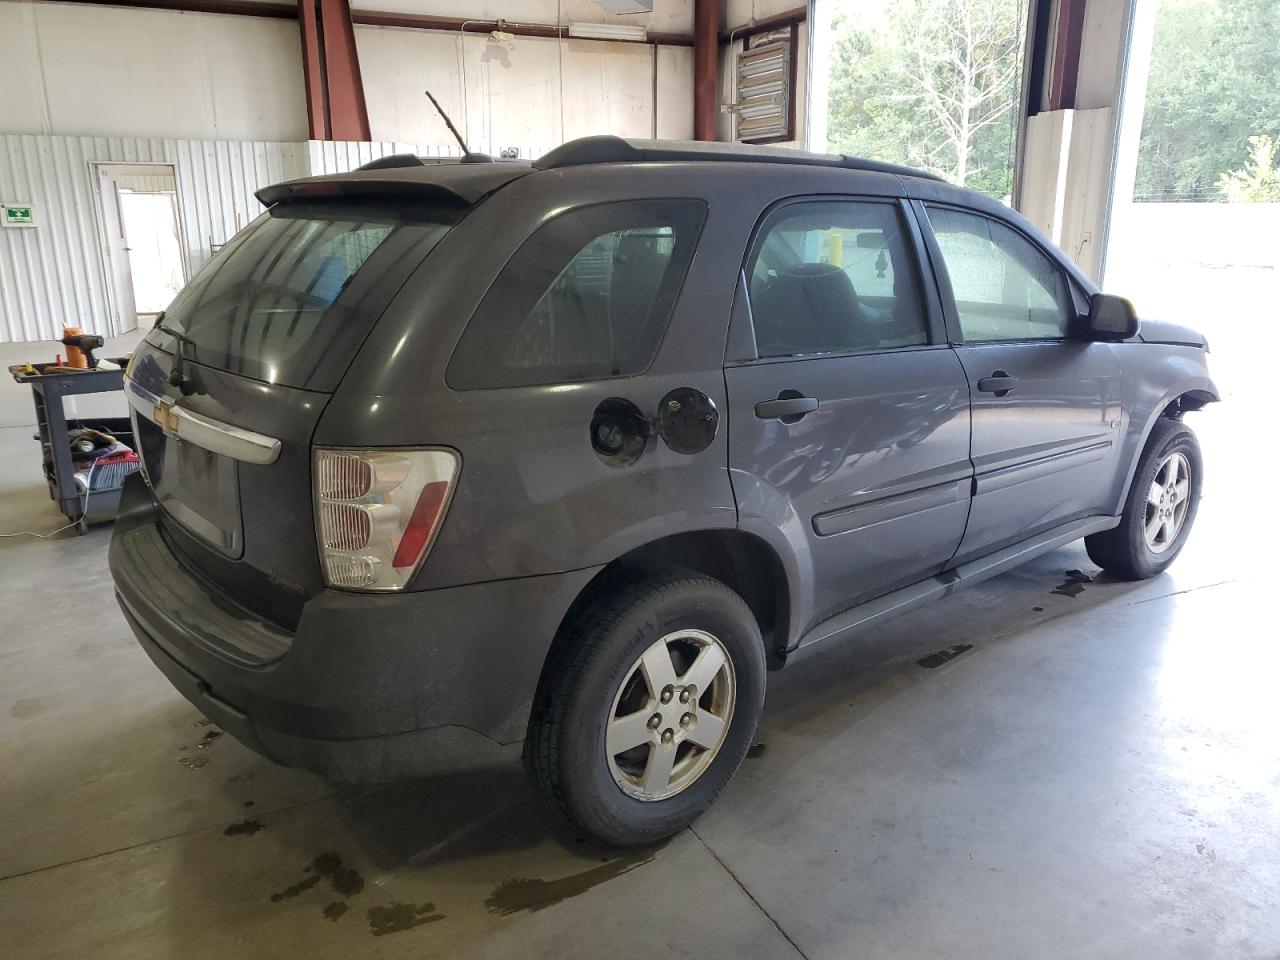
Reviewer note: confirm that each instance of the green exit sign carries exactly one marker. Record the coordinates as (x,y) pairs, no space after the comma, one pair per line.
(18,214)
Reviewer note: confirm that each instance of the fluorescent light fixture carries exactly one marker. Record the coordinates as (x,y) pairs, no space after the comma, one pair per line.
(608,31)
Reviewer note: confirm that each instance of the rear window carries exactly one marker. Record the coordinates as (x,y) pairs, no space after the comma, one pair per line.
(587,297)
(292,296)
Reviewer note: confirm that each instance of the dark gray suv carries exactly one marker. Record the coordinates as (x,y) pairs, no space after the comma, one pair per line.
(449,461)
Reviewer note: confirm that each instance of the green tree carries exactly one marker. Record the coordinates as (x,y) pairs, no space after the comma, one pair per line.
(933,83)
(1259,180)
(1214,84)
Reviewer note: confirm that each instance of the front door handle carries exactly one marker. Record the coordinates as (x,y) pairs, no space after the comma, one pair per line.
(789,407)
(999,383)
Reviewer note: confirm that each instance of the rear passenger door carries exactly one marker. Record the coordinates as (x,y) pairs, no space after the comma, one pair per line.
(1046,405)
(849,426)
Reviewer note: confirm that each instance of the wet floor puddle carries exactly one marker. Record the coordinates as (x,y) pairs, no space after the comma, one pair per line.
(939,657)
(1073,585)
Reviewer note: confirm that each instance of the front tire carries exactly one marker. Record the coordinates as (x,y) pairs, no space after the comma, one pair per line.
(647,707)
(1160,508)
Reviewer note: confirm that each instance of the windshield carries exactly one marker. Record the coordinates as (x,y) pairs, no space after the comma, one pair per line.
(291,297)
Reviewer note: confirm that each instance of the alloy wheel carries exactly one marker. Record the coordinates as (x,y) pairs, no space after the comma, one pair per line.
(670,715)
(1167,502)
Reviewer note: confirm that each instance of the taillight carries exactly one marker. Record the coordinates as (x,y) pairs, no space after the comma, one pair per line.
(377,512)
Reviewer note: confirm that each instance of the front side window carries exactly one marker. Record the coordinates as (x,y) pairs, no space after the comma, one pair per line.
(1005,287)
(587,297)
(835,277)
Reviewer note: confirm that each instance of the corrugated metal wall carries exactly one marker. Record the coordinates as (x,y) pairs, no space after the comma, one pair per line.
(55,273)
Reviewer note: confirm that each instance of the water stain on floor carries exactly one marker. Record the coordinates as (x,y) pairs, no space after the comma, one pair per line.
(245,828)
(208,738)
(345,881)
(756,750)
(533,894)
(398,917)
(1073,586)
(940,657)
(193,763)
(335,910)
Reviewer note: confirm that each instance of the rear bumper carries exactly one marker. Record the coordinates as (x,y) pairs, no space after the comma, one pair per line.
(369,687)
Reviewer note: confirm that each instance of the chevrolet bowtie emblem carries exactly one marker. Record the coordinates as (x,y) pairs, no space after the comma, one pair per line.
(166,419)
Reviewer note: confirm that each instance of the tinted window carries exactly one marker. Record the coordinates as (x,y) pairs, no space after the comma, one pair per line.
(282,301)
(1005,288)
(586,297)
(835,277)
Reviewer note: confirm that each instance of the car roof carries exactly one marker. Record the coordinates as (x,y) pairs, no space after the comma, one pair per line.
(467,181)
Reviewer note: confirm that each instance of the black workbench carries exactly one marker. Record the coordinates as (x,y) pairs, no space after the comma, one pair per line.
(48,391)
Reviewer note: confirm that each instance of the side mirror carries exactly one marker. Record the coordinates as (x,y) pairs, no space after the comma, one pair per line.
(1110,318)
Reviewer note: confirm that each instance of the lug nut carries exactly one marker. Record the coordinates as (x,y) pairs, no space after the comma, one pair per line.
(654,721)
(684,695)
(686,720)
(668,735)
(666,695)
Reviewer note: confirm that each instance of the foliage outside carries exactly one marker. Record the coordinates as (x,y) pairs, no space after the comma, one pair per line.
(930,83)
(1259,180)
(1214,88)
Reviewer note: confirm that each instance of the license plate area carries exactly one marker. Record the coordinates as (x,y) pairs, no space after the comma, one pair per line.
(200,489)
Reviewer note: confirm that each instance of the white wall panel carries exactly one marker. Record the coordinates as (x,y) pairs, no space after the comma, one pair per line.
(675,93)
(53,274)
(668,16)
(74,69)
(330,156)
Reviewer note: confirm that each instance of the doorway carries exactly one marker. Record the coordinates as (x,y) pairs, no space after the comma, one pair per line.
(141,232)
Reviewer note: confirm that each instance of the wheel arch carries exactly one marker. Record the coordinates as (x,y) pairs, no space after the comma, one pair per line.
(1172,406)
(744,562)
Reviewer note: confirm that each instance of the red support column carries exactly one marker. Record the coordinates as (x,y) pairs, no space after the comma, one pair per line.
(706,49)
(1066,55)
(331,67)
(313,71)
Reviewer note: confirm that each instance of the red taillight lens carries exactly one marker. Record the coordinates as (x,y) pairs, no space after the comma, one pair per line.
(422,524)
(377,512)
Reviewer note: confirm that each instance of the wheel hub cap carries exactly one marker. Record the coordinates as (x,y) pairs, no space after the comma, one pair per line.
(670,715)
(1167,503)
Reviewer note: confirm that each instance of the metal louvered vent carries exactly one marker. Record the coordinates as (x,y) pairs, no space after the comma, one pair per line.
(764,90)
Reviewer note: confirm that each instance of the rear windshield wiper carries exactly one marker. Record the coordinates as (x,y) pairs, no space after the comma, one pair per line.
(177,375)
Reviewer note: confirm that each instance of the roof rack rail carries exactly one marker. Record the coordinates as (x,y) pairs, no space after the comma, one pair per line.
(410,160)
(610,149)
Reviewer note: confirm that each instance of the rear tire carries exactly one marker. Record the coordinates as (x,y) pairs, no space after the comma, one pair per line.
(647,707)
(1159,510)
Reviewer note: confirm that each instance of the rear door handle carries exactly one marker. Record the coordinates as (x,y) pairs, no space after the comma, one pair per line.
(788,409)
(999,383)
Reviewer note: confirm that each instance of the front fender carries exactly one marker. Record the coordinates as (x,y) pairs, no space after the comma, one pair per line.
(1156,376)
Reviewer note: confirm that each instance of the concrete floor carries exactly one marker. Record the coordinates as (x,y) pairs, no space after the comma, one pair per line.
(1098,775)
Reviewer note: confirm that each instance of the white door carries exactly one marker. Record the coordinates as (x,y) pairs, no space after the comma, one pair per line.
(124,313)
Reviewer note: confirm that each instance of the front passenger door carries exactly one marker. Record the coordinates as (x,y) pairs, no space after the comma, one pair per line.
(1046,406)
(849,425)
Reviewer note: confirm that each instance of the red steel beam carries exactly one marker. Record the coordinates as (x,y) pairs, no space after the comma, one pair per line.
(1066,55)
(706,51)
(381,18)
(313,77)
(348,115)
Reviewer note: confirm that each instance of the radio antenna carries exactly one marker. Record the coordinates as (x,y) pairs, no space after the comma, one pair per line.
(466,151)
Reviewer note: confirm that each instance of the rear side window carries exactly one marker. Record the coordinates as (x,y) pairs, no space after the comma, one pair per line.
(587,297)
(291,297)
(1005,288)
(835,277)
